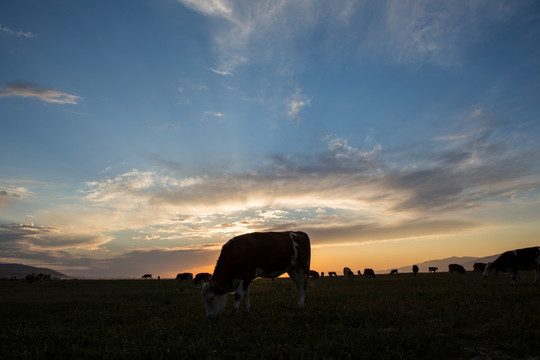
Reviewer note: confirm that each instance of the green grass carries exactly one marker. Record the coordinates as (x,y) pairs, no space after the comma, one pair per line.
(431,316)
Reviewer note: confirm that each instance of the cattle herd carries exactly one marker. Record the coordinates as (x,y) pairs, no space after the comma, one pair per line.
(271,254)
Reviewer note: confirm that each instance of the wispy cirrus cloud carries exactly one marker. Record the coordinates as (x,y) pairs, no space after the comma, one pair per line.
(21,89)
(417,32)
(18,33)
(249,27)
(411,32)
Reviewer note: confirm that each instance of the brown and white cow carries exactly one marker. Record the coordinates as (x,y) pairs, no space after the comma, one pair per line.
(249,256)
(515,260)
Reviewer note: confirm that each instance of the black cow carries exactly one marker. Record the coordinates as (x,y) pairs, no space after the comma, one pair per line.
(369,273)
(347,273)
(456,268)
(146,276)
(515,260)
(184,276)
(200,277)
(314,274)
(415,269)
(433,269)
(479,267)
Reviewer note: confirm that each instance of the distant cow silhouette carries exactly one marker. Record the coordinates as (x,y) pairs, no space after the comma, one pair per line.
(456,268)
(393,271)
(415,269)
(479,267)
(146,276)
(313,274)
(33,277)
(200,277)
(433,268)
(332,273)
(369,273)
(184,276)
(347,273)
(359,273)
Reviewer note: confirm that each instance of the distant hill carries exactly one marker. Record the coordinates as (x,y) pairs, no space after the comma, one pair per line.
(20,271)
(466,261)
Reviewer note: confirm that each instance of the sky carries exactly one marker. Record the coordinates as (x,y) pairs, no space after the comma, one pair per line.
(139,136)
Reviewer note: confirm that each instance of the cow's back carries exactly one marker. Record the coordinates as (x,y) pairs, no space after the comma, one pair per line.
(270,252)
(525,258)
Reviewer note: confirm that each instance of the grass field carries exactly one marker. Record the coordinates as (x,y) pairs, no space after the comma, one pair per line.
(432,316)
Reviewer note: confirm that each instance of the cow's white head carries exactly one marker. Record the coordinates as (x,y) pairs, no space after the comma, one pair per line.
(488,270)
(214,300)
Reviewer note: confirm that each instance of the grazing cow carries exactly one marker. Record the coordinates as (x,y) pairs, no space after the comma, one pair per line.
(314,274)
(200,277)
(30,278)
(322,274)
(347,273)
(456,268)
(249,256)
(146,276)
(433,269)
(415,269)
(369,273)
(393,271)
(184,277)
(332,273)
(479,267)
(515,260)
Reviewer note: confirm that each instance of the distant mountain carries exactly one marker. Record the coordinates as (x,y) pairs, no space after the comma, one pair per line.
(20,271)
(466,261)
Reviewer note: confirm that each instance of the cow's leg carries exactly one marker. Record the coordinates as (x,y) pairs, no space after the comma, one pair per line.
(242,291)
(248,304)
(239,294)
(516,274)
(298,276)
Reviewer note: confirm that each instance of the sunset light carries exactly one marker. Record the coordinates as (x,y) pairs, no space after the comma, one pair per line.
(138,137)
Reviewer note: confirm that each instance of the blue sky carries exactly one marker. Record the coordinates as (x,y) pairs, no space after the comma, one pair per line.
(138,136)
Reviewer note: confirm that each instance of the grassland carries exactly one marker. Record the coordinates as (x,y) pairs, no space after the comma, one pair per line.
(431,316)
